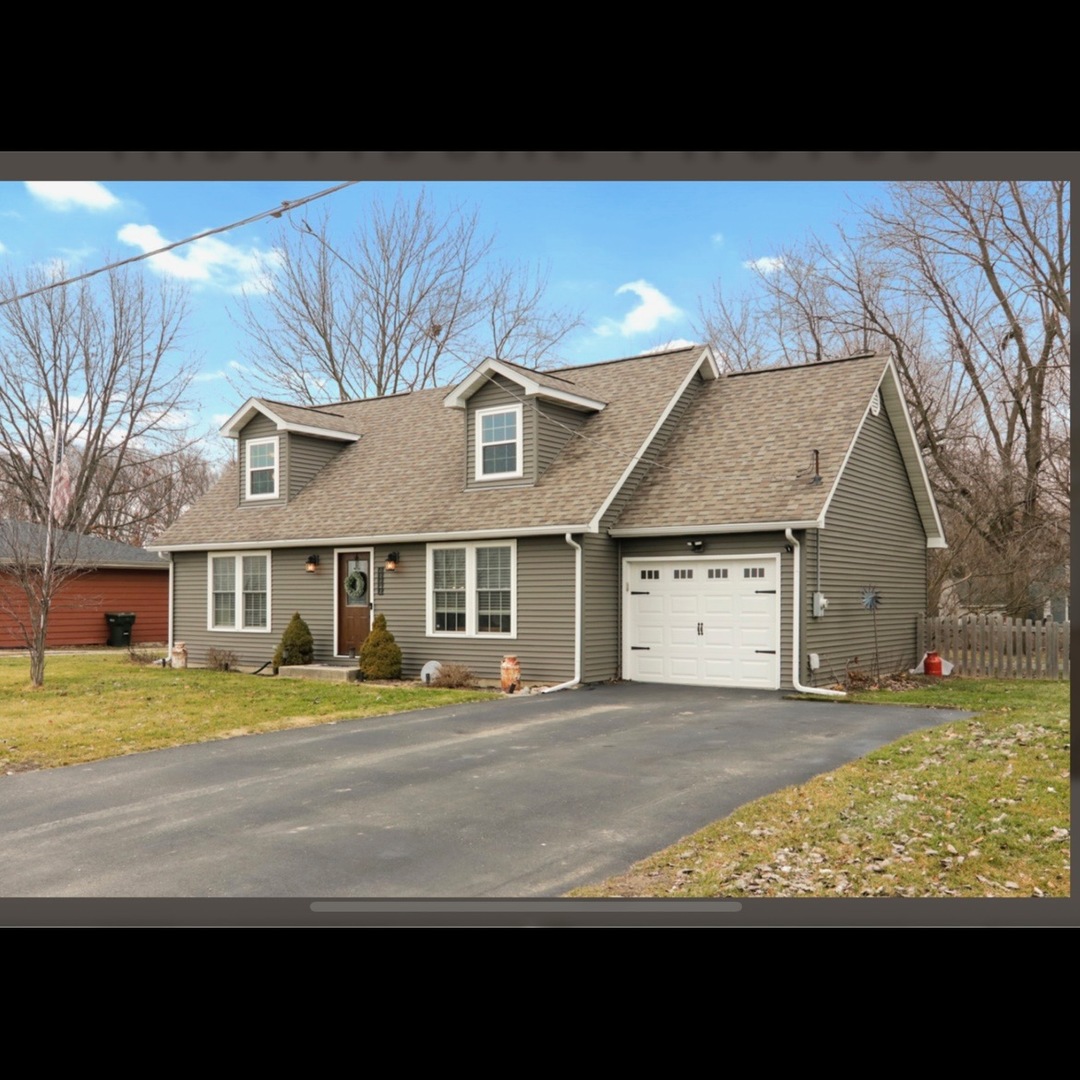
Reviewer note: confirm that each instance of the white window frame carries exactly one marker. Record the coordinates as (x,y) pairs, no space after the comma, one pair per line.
(238,592)
(480,444)
(276,442)
(470,590)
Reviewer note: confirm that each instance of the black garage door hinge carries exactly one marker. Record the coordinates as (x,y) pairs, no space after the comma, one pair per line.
(771,592)
(771,652)
(640,648)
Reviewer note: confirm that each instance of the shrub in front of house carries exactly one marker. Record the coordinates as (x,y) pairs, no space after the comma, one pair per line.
(297,645)
(380,655)
(221,659)
(453,677)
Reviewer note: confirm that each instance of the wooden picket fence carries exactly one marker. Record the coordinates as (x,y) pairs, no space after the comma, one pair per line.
(1000,648)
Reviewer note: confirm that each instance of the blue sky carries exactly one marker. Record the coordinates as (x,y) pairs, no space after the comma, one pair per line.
(634,257)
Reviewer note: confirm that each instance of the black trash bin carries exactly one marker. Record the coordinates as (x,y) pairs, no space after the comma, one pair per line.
(120,624)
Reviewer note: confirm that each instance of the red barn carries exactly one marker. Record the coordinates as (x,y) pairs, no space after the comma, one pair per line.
(118,578)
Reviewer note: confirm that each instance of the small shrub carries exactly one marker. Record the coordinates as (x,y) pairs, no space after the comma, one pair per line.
(297,645)
(380,655)
(221,659)
(453,677)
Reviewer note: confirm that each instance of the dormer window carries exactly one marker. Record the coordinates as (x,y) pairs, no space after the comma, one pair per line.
(498,443)
(262,468)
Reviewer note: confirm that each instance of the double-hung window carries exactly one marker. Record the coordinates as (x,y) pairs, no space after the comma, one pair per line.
(262,468)
(472,589)
(498,443)
(239,591)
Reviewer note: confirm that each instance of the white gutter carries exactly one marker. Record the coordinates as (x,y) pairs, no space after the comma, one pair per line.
(731,527)
(577,621)
(796,606)
(369,541)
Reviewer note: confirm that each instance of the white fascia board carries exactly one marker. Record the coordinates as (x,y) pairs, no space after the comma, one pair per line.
(703,530)
(706,364)
(904,432)
(457,397)
(369,540)
(234,425)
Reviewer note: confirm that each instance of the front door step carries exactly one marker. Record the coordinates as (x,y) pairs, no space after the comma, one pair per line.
(324,672)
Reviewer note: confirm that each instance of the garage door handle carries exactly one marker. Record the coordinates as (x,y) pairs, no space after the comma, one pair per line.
(770,652)
(634,592)
(771,592)
(640,648)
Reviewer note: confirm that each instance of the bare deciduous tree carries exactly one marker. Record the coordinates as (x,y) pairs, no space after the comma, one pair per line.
(967,285)
(91,386)
(407,302)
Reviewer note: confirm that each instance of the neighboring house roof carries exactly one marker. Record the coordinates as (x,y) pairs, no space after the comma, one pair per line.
(20,540)
(743,454)
(741,457)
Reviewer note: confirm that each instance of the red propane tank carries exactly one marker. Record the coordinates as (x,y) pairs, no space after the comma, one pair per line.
(933,664)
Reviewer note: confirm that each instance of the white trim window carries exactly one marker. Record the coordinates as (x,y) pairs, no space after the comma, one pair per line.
(238,591)
(261,468)
(472,589)
(498,443)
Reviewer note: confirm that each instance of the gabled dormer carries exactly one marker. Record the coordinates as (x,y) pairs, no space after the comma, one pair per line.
(516,422)
(281,448)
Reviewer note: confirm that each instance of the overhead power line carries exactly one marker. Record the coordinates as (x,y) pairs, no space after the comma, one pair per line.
(285,206)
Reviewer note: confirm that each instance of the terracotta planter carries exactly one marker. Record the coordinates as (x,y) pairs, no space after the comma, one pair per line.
(511,674)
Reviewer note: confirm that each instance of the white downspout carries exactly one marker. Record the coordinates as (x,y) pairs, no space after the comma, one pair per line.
(796,607)
(577,620)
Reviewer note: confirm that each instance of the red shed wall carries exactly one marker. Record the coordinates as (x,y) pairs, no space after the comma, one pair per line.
(78,614)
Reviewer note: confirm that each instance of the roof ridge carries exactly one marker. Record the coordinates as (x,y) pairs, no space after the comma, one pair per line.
(626,359)
(810,364)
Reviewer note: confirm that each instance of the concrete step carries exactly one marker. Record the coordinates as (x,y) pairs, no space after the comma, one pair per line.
(323,672)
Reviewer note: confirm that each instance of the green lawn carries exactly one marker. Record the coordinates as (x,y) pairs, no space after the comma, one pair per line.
(98,706)
(977,807)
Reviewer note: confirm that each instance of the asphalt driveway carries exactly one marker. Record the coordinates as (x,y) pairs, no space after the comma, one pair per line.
(524,797)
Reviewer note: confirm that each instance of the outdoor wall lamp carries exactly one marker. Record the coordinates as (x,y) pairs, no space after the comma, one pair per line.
(392,559)
(695,545)
(311,564)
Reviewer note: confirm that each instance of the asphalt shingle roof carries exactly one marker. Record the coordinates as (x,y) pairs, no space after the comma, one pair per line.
(406,474)
(743,450)
(22,538)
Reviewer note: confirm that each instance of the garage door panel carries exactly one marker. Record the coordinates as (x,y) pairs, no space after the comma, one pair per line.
(718,630)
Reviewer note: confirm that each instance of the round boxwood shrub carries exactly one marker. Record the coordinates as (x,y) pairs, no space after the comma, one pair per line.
(297,645)
(380,655)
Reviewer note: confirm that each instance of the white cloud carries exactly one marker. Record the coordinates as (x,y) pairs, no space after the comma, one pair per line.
(211,376)
(654,308)
(718,238)
(221,418)
(237,366)
(210,260)
(2,248)
(675,343)
(767,264)
(72,194)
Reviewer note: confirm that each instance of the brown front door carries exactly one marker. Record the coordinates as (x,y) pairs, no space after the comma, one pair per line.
(354,600)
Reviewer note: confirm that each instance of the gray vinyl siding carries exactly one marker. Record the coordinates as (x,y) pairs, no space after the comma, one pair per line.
(544,644)
(497,394)
(602,570)
(872,536)
(262,427)
(291,589)
(307,456)
(555,426)
(766,543)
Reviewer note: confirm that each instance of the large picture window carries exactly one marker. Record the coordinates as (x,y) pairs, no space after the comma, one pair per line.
(498,443)
(471,589)
(239,591)
(262,468)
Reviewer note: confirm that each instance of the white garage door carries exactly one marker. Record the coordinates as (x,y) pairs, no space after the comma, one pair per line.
(714,622)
